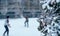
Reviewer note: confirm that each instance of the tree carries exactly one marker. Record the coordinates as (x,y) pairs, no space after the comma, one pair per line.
(55,15)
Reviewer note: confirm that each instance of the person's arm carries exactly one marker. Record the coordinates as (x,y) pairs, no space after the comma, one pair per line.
(9,25)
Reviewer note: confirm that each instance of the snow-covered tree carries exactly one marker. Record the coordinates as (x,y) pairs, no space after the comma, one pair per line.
(51,18)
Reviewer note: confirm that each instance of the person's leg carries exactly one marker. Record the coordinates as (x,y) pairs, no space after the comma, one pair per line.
(27,24)
(5,31)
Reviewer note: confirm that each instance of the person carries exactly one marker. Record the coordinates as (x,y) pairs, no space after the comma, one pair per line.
(41,26)
(6,26)
(26,22)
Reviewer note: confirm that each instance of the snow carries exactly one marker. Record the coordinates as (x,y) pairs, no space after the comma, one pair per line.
(18,29)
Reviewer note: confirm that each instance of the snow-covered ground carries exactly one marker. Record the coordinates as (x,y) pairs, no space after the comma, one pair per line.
(18,29)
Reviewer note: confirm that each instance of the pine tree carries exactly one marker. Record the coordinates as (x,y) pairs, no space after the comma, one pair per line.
(55,13)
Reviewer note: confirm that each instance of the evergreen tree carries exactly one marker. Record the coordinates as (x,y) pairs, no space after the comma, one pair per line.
(55,13)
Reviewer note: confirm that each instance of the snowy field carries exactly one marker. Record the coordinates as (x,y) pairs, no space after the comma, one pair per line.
(18,29)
